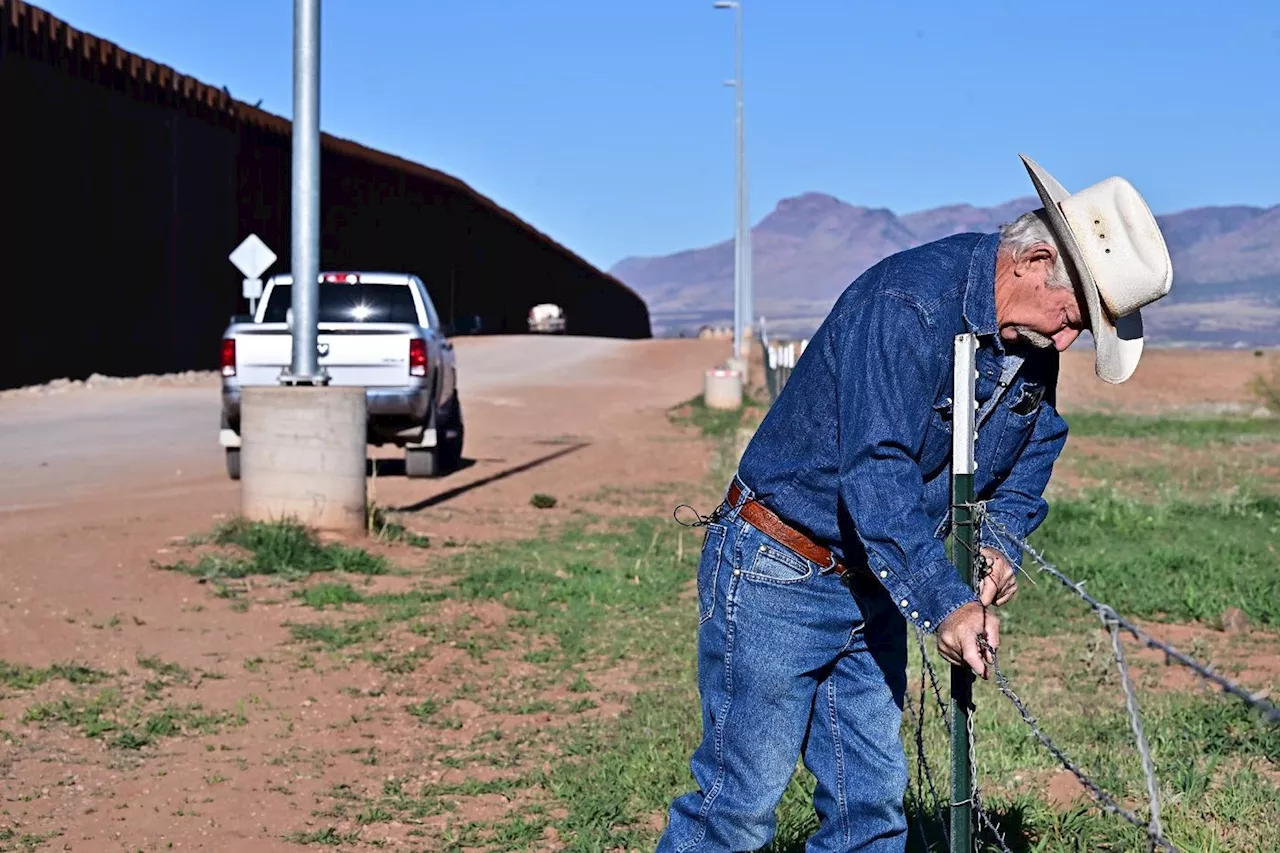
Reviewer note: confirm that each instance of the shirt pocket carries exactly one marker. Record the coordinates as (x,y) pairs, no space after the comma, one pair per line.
(709,569)
(1020,408)
(943,411)
(778,565)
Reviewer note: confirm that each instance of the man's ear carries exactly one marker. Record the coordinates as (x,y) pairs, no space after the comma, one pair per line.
(1040,253)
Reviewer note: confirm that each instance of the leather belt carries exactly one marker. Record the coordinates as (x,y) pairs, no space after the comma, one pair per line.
(763,519)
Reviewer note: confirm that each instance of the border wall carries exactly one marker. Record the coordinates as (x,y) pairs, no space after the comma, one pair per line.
(128,183)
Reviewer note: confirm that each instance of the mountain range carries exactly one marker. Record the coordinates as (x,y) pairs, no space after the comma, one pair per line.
(1226,264)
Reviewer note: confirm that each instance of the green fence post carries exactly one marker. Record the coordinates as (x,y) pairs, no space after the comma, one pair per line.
(962,466)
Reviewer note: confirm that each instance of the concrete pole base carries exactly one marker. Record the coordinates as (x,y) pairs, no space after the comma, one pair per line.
(303,456)
(722,389)
(741,365)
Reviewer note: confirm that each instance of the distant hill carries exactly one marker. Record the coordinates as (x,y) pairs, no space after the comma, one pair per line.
(1226,265)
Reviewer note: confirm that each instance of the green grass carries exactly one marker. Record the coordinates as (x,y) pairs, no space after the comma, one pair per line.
(282,548)
(424,710)
(22,677)
(325,595)
(385,528)
(11,840)
(1174,560)
(1182,431)
(333,637)
(717,423)
(1209,752)
(613,596)
(587,581)
(126,726)
(329,836)
(164,669)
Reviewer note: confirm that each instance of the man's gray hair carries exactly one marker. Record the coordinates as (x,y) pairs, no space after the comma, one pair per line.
(1027,231)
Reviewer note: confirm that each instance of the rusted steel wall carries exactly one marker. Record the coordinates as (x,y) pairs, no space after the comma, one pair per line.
(126,184)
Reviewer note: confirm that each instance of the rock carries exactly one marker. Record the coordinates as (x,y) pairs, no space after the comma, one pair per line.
(1234,621)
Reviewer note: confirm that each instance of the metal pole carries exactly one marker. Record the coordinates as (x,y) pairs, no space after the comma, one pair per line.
(305,249)
(744,210)
(739,238)
(962,467)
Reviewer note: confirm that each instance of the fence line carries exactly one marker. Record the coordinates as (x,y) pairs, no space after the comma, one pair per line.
(1113,623)
(780,359)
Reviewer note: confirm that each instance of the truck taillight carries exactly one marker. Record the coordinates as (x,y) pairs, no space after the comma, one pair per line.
(228,361)
(417,357)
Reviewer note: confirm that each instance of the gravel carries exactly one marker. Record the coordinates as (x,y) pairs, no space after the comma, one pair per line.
(97,381)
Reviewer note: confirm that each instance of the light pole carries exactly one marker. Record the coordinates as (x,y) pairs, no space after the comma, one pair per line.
(304,368)
(742,301)
(303,442)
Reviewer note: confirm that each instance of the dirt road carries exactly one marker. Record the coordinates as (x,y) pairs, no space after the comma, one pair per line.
(96,480)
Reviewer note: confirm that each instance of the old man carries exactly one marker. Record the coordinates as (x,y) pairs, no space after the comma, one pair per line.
(831,536)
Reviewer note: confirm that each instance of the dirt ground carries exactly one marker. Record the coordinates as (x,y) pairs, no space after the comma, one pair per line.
(79,583)
(1184,380)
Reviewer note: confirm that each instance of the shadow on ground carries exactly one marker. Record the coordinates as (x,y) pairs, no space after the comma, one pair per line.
(395,467)
(1011,823)
(457,491)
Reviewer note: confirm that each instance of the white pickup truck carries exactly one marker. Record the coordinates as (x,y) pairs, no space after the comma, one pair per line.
(379,331)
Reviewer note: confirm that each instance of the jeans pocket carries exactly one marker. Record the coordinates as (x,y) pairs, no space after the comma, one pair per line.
(709,570)
(777,565)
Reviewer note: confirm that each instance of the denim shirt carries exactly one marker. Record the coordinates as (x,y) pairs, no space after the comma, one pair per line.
(856,450)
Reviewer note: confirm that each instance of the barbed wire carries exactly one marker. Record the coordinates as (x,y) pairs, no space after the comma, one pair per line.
(981,568)
(1113,623)
(1110,621)
(1270,712)
(929,681)
(924,771)
(1095,790)
(1154,830)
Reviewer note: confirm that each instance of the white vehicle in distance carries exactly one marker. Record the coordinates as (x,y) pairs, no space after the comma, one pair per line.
(547,318)
(377,330)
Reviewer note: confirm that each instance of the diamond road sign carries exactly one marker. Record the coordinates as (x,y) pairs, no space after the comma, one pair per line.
(252,257)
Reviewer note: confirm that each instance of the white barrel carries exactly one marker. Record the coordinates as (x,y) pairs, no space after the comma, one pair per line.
(739,364)
(303,456)
(723,389)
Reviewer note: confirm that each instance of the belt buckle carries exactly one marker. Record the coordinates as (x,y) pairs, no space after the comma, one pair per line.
(830,566)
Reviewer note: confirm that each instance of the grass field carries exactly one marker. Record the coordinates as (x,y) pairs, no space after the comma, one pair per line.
(575,651)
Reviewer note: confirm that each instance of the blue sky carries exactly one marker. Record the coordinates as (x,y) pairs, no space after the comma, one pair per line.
(606,123)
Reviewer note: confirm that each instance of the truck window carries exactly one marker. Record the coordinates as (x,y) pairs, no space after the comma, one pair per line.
(350,303)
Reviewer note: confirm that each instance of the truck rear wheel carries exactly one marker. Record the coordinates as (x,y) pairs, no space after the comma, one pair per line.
(421,462)
(452,433)
(233,463)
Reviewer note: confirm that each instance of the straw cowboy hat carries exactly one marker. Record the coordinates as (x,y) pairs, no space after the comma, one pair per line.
(1119,259)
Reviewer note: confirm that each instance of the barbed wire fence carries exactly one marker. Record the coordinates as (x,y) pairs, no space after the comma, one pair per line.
(1116,626)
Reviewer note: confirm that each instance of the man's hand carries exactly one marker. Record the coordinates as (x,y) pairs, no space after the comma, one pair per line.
(1001,583)
(958,637)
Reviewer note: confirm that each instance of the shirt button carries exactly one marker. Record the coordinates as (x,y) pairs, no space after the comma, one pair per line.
(883,573)
(737,572)
(903,602)
(915,614)
(926,623)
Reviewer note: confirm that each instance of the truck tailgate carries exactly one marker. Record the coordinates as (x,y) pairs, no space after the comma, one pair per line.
(364,354)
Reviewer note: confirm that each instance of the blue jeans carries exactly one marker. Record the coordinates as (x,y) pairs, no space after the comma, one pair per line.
(792,661)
